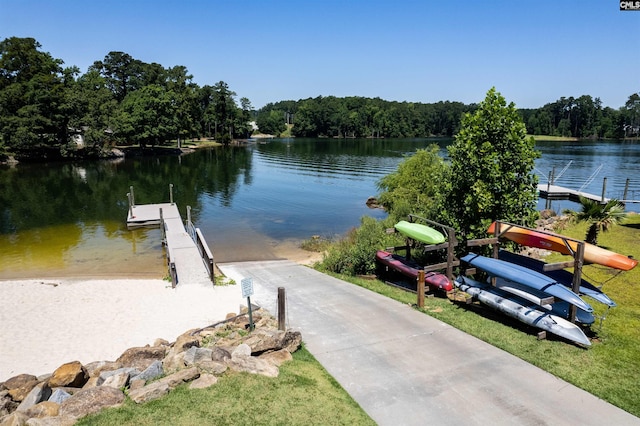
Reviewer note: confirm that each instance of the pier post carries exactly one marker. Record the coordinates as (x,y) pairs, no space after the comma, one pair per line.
(281,309)
(626,190)
(162,230)
(188,214)
(547,203)
(129,197)
(133,200)
(171,193)
(578,257)
(421,288)
(604,189)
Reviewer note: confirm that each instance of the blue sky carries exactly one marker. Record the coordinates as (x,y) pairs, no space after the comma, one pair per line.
(419,51)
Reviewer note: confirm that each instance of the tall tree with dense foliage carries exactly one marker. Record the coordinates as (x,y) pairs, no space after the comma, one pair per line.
(492,160)
(32,96)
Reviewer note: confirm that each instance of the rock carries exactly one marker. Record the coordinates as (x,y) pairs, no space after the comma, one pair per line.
(141,358)
(265,340)
(150,392)
(136,384)
(14,419)
(277,358)
(7,405)
(95,368)
(151,372)
(213,367)
(161,342)
(173,362)
(91,383)
(52,421)
(195,355)
(181,377)
(291,341)
(241,351)
(88,401)
(130,371)
(220,354)
(59,396)
(160,388)
(43,409)
(72,374)
(253,365)
(185,341)
(19,386)
(204,381)
(40,392)
(118,381)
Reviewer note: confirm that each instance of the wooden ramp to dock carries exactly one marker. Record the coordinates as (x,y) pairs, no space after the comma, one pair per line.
(186,263)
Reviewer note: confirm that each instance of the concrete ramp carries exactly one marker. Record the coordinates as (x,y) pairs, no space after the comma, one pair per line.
(406,368)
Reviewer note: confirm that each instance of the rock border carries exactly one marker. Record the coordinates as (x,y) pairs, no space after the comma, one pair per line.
(198,357)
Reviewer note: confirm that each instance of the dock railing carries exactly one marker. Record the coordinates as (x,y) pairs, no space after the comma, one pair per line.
(203,248)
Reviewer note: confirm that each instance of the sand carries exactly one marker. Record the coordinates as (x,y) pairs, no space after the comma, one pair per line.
(46,323)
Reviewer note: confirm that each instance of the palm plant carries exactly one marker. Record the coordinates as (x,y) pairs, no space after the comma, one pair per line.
(600,217)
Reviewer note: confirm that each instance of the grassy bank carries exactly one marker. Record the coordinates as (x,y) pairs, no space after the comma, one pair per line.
(610,369)
(303,394)
(554,138)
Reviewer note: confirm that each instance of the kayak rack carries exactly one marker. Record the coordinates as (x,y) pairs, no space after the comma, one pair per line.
(578,255)
(448,245)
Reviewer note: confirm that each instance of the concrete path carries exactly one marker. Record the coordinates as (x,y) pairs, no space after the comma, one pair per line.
(406,368)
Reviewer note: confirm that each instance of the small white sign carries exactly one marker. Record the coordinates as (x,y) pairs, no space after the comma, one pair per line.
(247,287)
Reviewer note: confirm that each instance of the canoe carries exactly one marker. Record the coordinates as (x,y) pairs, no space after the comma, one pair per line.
(526,277)
(434,280)
(423,233)
(539,298)
(592,254)
(522,310)
(562,276)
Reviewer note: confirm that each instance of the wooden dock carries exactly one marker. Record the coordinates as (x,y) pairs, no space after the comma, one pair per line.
(189,260)
(555,192)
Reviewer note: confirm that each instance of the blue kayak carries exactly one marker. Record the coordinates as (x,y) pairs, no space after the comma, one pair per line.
(562,276)
(526,277)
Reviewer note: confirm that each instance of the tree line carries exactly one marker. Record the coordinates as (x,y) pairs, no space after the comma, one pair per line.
(583,117)
(119,100)
(122,100)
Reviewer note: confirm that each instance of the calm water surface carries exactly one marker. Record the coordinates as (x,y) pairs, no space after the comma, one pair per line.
(69,219)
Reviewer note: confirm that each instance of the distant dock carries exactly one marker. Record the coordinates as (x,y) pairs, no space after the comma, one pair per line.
(188,257)
(555,192)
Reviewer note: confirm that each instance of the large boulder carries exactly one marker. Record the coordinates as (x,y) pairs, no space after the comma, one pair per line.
(19,386)
(72,374)
(141,358)
(161,387)
(89,401)
(40,392)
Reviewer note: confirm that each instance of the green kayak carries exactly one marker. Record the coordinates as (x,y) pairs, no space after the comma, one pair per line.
(418,232)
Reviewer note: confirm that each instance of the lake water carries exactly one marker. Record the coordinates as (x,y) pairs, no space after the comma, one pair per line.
(63,219)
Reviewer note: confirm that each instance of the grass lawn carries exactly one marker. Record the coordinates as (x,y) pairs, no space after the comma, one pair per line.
(554,138)
(303,394)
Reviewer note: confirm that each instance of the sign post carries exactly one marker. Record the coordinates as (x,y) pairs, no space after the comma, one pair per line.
(247,291)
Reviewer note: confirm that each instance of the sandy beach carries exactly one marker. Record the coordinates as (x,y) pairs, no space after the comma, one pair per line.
(47,322)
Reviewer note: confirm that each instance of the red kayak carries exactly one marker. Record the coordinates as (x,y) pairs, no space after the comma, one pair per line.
(592,254)
(434,280)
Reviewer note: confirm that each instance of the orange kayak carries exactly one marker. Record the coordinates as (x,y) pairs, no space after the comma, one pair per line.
(554,242)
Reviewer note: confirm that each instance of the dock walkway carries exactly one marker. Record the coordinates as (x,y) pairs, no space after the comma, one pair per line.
(186,264)
(555,192)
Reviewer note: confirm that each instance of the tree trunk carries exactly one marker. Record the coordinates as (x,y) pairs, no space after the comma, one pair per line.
(592,234)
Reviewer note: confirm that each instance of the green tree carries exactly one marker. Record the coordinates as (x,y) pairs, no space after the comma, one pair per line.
(148,116)
(272,122)
(417,186)
(32,96)
(600,217)
(491,169)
